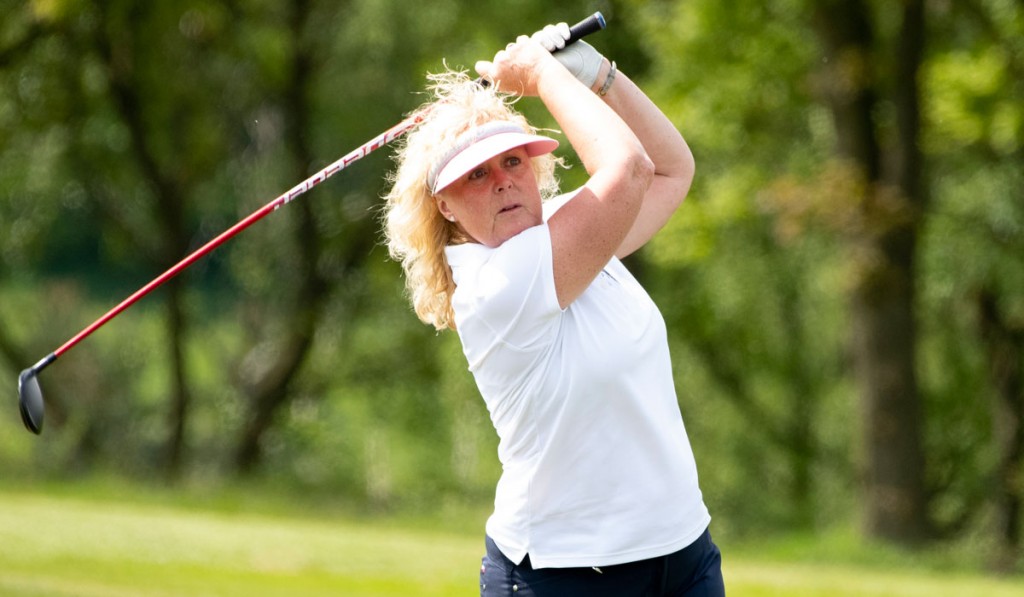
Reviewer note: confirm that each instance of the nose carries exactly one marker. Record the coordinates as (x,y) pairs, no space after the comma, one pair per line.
(502,181)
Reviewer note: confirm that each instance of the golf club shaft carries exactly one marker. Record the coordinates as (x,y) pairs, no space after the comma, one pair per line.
(591,24)
(332,169)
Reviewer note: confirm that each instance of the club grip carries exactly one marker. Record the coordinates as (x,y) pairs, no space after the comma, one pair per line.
(591,24)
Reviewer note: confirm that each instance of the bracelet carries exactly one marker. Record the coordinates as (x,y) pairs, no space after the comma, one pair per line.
(608,81)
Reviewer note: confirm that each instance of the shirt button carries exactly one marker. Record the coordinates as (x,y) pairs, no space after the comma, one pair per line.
(515,588)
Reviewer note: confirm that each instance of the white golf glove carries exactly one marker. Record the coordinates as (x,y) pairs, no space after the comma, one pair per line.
(579,58)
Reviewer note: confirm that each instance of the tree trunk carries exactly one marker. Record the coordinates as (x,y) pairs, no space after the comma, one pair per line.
(180,394)
(883,298)
(169,194)
(1004,347)
(801,445)
(271,391)
(884,347)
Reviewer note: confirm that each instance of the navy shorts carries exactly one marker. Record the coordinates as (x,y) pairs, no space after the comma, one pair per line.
(694,571)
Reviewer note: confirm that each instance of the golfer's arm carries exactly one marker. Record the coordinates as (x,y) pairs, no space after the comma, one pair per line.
(590,228)
(673,161)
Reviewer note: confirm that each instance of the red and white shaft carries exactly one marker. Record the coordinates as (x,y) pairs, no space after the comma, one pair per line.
(370,146)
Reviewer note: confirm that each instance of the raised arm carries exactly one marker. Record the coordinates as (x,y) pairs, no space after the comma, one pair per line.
(673,161)
(595,224)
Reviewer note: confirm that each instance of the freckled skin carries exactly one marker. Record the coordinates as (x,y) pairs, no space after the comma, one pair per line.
(496,200)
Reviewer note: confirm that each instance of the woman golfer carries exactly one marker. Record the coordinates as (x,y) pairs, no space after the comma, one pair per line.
(599,493)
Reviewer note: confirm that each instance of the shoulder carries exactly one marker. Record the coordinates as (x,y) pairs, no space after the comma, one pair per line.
(499,283)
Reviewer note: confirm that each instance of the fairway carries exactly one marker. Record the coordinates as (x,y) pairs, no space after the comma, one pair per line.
(68,546)
(89,547)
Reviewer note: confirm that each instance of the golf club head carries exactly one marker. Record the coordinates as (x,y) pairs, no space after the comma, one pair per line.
(30,401)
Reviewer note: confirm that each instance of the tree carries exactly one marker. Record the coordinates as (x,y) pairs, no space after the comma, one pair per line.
(1004,343)
(891,200)
(976,141)
(268,390)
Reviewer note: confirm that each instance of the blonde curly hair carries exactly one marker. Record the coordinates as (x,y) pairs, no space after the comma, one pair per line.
(415,232)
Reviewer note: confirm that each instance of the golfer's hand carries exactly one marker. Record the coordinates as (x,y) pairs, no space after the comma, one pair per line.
(580,58)
(518,67)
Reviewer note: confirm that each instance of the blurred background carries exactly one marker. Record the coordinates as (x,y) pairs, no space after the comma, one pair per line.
(844,287)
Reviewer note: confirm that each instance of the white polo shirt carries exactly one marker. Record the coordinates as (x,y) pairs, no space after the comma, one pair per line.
(597,467)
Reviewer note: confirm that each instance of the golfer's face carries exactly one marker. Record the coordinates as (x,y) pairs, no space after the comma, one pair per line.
(496,200)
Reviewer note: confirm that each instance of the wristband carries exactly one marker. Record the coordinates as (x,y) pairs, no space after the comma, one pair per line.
(608,81)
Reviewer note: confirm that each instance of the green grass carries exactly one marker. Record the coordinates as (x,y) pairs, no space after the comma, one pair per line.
(63,543)
(763,579)
(83,547)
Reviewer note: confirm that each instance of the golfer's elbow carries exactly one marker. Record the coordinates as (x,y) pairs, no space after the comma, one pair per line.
(628,175)
(642,171)
(680,178)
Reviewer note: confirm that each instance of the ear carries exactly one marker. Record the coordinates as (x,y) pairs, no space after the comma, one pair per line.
(442,206)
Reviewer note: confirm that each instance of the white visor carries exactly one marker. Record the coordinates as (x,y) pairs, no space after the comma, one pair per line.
(481,144)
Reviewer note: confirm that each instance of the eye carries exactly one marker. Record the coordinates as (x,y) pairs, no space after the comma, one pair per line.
(476,173)
(513,160)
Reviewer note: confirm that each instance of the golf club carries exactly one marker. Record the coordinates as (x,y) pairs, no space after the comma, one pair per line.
(30,395)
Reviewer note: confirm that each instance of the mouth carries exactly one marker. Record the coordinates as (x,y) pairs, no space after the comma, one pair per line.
(509,208)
